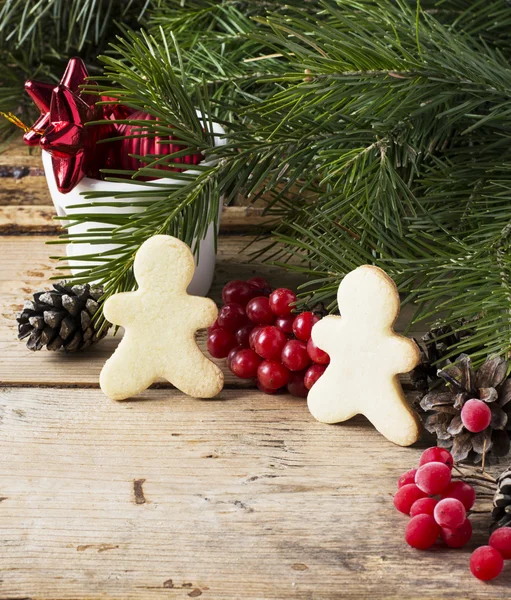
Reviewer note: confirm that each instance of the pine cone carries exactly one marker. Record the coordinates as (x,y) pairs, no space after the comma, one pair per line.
(61,318)
(459,383)
(434,346)
(501,513)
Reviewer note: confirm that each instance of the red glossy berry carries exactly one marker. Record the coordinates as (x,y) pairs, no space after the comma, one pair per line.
(457,538)
(245,364)
(423,506)
(232,316)
(475,415)
(312,374)
(406,496)
(408,477)
(486,563)
(238,291)
(450,513)
(253,336)
(317,355)
(259,311)
(500,539)
(243,335)
(220,342)
(422,532)
(285,323)
(433,478)
(232,354)
(272,374)
(302,325)
(214,326)
(261,284)
(296,386)
(265,389)
(294,355)
(436,454)
(281,301)
(462,491)
(269,342)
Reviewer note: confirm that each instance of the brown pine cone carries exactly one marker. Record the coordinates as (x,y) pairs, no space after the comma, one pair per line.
(442,408)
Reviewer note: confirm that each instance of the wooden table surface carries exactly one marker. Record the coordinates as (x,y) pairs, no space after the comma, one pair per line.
(168,497)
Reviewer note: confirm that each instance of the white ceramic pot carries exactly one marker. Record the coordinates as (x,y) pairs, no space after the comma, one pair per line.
(64,203)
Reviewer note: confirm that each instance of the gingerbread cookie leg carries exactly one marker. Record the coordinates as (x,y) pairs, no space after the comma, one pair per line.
(392,416)
(125,374)
(205,381)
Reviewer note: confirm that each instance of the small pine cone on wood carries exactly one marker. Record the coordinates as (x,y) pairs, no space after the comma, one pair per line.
(501,512)
(62,318)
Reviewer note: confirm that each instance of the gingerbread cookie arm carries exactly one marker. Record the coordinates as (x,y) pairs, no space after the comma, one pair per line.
(121,309)
(405,351)
(321,332)
(205,311)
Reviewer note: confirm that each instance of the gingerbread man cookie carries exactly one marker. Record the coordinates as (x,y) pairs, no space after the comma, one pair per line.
(160,321)
(366,356)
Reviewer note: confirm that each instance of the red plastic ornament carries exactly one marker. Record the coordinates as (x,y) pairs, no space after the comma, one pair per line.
(144,145)
(67,139)
(41,93)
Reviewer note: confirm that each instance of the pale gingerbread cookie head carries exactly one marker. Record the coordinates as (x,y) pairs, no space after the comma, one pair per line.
(165,263)
(369,296)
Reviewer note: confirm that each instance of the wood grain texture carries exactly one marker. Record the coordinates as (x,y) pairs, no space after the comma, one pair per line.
(243,497)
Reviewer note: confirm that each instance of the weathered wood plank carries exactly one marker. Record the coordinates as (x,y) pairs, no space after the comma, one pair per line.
(242,497)
(31,189)
(23,219)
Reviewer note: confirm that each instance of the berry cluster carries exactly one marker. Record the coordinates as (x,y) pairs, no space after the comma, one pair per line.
(262,339)
(438,507)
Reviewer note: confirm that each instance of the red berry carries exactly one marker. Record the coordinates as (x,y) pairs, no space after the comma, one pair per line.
(269,342)
(220,342)
(259,312)
(245,364)
(281,301)
(285,323)
(302,325)
(457,538)
(450,513)
(261,284)
(232,354)
(243,335)
(265,389)
(408,477)
(272,374)
(486,563)
(312,374)
(500,539)
(253,336)
(296,386)
(294,355)
(238,291)
(475,415)
(423,506)
(433,478)
(436,454)
(462,491)
(232,316)
(406,496)
(422,532)
(214,326)
(317,355)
